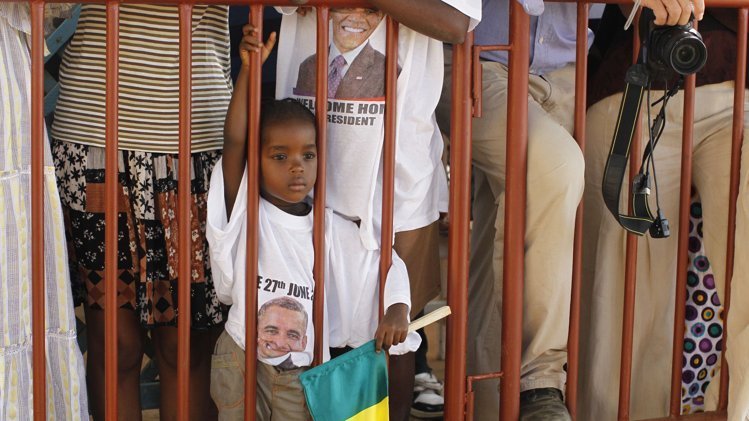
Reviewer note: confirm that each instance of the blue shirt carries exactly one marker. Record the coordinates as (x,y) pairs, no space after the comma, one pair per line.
(552,30)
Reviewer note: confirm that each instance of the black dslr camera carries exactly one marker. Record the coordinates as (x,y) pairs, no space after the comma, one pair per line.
(665,52)
(669,49)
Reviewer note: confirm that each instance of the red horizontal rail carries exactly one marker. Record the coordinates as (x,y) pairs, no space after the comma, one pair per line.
(702,416)
(356,3)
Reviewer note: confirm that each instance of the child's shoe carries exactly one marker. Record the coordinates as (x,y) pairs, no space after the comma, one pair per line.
(428,401)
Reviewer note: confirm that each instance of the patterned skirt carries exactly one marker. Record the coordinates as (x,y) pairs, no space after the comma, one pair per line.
(148,243)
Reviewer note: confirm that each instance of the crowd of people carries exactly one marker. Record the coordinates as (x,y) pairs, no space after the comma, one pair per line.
(560,177)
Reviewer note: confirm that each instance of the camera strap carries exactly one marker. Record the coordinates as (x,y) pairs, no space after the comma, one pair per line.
(642,219)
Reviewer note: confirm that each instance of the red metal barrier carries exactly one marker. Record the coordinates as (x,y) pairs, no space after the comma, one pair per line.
(458,386)
(581,72)
(110,213)
(253,203)
(514,222)
(37,206)
(185,243)
(460,207)
(736,141)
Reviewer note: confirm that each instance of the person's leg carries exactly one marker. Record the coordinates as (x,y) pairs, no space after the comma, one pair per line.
(555,184)
(554,189)
(288,397)
(129,358)
(656,269)
(711,175)
(400,385)
(656,264)
(202,343)
(420,355)
(427,394)
(227,379)
(419,250)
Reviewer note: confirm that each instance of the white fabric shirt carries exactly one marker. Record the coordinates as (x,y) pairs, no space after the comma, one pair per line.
(286,257)
(356,127)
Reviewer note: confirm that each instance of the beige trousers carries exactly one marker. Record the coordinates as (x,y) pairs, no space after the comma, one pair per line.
(555,182)
(280,396)
(604,257)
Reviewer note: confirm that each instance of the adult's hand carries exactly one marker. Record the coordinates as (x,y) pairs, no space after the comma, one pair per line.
(675,12)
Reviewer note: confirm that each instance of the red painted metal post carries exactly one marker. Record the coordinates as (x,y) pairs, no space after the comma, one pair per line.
(573,346)
(388,156)
(253,204)
(733,194)
(37,209)
(110,211)
(458,239)
(318,236)
(514,221)
(185,243)
(682,258)
(630,276)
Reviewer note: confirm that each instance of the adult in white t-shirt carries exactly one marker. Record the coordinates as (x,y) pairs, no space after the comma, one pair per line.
(356,129)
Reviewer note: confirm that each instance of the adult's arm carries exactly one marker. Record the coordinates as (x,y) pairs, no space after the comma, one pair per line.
(433,18)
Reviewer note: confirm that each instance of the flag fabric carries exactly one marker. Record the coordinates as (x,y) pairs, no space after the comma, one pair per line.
(353,387)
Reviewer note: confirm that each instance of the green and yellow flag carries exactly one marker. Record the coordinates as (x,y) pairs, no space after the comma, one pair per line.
(353,386)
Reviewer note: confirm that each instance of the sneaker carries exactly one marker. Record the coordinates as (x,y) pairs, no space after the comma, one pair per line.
(428,401)
(543,404)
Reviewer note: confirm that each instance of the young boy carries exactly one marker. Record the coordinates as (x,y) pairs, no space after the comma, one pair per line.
(288,165)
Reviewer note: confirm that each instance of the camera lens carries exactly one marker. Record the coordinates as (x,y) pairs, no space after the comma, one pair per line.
(686,53)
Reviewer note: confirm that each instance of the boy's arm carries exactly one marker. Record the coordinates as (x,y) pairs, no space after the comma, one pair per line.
(433,18)
(235,126)
(393,328)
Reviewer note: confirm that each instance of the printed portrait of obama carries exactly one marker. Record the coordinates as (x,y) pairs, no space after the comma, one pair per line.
(282,328)
(356,70)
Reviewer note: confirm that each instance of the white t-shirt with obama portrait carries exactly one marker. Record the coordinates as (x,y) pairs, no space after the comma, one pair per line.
(356,114)
(286,285)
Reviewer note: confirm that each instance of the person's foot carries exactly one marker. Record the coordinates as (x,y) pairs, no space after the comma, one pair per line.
(428,401)
(543,404)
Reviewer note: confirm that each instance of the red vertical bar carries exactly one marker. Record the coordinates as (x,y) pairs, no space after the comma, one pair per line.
(37,208)
(110,211)
(733,194)
(682,259)
(458,238)
(630,276)
(514,222)
(573,346)
(253,204)
(318,236)
(388,155)
(184,194)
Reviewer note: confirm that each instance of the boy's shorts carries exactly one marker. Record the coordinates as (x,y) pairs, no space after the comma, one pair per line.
(279,392)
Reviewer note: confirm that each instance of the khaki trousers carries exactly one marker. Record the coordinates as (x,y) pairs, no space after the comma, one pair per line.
(280,396)
(555,182)
(604,257)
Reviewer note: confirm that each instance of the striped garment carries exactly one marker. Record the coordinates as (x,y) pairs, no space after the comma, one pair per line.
(66,384)
(149,79)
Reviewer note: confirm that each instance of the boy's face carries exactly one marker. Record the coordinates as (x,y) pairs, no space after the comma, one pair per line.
(288,162)
(353,26)
(280,331)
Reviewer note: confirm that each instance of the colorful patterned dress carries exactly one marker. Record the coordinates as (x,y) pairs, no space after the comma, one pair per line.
(66,385)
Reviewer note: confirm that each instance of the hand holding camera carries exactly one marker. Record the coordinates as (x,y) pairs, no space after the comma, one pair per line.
(674,12)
